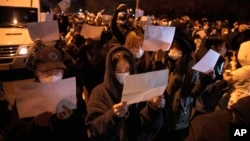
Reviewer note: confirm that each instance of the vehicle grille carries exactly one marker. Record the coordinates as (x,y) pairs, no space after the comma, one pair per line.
(6,60)
(8,50)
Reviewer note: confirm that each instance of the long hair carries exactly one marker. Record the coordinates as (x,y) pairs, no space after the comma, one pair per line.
(133,37)
(120,55)
(187,47)
(214,40)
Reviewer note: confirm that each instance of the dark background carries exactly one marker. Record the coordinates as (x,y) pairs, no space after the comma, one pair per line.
(195,9)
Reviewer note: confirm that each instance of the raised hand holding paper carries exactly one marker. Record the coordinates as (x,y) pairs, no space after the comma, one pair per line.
(158,37)
(207,62)
(34,98)
(93,32)
(144,86)
(45,31)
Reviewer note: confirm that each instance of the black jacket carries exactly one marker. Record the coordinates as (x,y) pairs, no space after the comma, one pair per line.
(216,125)
(144,119)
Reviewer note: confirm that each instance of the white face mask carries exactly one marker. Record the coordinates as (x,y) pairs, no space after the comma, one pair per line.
(121,77)
(175,55)
(51,78)
(139,53)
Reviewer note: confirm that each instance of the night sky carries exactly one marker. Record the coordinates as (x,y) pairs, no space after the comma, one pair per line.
(213,9)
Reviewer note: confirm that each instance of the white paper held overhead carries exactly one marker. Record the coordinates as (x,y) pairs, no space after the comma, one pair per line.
(45,31)
(158,37)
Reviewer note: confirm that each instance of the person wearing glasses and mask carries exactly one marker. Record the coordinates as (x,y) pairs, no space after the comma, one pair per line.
(46,62)
(109,118)
(179,93)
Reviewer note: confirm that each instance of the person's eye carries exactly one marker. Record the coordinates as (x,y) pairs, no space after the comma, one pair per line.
(122,71)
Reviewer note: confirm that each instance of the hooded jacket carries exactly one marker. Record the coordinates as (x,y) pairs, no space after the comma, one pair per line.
(241,76)
(178,95)
(144,119)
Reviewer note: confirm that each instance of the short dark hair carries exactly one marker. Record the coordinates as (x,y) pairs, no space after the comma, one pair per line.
(214,40)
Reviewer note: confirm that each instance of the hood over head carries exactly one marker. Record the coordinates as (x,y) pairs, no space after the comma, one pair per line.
(185,41)
(187,46)
(111,83)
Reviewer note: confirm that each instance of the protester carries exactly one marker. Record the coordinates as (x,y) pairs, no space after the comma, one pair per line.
(239,36)
(216,125)
(119,26)
(218,44)
(134,40)
(210,97)
(46,61)
(141,120)
(110,118)
(239,78)
(91,64)
(178,94)
(212,85)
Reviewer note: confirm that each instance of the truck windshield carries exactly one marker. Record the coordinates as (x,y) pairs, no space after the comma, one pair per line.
(17,16)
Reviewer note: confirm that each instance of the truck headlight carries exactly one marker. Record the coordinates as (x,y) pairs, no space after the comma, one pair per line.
(23,50)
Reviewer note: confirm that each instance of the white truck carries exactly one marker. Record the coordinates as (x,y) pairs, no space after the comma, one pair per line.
(14,35)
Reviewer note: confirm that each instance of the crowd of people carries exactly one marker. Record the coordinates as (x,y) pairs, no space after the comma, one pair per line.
(194,105)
